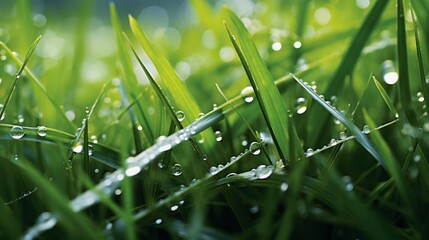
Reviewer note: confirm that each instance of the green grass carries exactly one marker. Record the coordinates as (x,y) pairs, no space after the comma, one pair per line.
(266,120)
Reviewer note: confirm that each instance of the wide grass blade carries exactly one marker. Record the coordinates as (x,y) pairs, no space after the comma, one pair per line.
(319,116)
(18,75)
(268,95)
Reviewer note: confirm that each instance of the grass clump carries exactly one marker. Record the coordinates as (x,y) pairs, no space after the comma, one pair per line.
(307,120)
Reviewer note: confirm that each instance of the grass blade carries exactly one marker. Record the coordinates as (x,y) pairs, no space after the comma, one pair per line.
(181,99)
(70,126)
(404,81)
(18,75)
(360,137)
(422,74)
(348,62)
(267,93)
(385,96)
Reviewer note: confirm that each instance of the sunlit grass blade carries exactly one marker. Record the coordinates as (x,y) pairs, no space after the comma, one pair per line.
(268,95)
(360,137)
(18,75)
(319,116)
(181,99)
(165,102)
(393,168)
(385,96)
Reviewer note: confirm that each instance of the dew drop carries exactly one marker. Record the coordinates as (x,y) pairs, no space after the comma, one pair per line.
(180,115)
(420,97)
(301,105)
(333,142)
(213,170)
(131,171)
(176,170)
(161,164)
(214,106)
(17,132)
(77,148)
(284,186)
(255,148)
(254,209)
(245,93)
(118,192)
(174,208)
(276,46)
(263,172)
(309,152)
(343,135)
(158,221)
(90,150)
(205,157)
(297,44)
(42,131)
(218,135)
(366,129)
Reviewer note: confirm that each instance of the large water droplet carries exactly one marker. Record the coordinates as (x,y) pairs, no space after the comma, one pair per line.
(17,132)
(176,170)
(131,171)
(301,105)
(343,135)
(42,131)
(366,129)
(390,76)
(263,172)
(255,148)
(246,94)
(180,115)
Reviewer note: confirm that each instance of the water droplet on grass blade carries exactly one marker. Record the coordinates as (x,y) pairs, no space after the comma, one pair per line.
(263,172)
(420,97)
(366,129)
(17,132)
(301,105)
(218,135)
(343,135)
(176,170)
(180,115)
(158,221)
(246,94)
(42,131)
(309,152)
(174,208)
(131,171)
(255,148)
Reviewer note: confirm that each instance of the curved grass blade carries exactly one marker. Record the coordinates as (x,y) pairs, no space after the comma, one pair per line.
(18,75)
(360,137)
(103,154)
(164,100)
(348,62)
(267,93)
(70,124)
(180,97)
